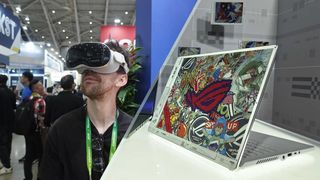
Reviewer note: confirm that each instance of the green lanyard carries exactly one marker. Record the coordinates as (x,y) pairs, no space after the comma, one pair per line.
(113,146)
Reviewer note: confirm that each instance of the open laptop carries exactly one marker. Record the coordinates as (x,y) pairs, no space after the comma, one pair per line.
(209,105)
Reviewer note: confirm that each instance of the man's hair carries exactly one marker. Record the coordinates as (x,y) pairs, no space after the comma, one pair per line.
(66,82)
(3,79)
(28,75)
(114,46)
(32,83)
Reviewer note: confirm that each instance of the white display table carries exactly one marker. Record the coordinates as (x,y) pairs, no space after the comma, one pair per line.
(146,156)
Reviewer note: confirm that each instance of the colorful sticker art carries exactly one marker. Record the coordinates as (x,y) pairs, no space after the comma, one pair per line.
(251,44)
(187,51)
(212,98)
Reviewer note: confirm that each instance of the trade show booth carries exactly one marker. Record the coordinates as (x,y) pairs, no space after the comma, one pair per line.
(164,144)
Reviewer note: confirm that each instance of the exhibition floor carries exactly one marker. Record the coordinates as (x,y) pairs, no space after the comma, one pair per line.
(18,150)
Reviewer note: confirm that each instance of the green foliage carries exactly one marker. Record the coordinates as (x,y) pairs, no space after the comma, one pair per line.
(126,96)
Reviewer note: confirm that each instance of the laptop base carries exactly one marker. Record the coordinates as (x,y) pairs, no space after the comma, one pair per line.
(262,148)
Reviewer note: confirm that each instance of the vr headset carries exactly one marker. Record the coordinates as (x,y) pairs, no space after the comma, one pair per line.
(97,57)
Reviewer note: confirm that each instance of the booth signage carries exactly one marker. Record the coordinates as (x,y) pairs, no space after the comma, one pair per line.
(126,35)
(53,63)
(10,33)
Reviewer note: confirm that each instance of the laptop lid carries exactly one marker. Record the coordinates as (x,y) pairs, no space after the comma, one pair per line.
(210,101)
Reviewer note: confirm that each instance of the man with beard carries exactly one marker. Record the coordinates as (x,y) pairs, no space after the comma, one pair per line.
(81,143)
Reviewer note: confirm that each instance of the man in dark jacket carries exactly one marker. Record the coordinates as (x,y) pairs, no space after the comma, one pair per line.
(64,102)
(7,106)
(81,143)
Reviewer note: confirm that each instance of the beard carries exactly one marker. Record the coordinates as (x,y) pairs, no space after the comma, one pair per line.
(93,91)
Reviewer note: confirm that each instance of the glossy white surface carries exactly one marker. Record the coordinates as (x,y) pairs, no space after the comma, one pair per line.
(145,156)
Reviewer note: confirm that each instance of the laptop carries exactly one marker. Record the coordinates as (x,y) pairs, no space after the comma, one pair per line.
(209,104)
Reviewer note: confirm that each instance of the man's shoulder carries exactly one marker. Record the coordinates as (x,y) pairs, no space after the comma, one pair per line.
(124,116)
(124,120)
(63,95)
(70,119)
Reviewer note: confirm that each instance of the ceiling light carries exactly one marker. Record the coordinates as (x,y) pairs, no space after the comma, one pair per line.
(48,44)
(91,37)
(53,11)
(18,8)
(126,12)
(63,59)
(17,12)
(36,30)
(41,46)
(90,12)
(28,22)
(63,30)
(42,37)
(52,49)
(121,23)
(25,27)
(90,31)
(67,37)
(60,56)
(59,22)
(27,18)
(56,53)
(117,20)
(69,42)
(90,22)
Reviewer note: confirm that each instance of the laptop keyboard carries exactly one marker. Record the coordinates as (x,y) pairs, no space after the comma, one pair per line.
(255,148)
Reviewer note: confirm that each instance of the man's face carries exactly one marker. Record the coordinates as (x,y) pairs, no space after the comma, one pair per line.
(95,85)
(38,88)
(24,80)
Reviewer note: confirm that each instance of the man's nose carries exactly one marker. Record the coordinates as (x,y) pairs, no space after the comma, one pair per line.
(88,72)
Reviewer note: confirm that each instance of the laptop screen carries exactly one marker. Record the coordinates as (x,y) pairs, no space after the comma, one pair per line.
(210,100)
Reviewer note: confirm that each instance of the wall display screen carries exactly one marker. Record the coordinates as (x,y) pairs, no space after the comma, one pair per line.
(187,51)
(228,12)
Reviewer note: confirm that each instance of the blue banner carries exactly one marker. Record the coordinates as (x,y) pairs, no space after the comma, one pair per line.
(10,33)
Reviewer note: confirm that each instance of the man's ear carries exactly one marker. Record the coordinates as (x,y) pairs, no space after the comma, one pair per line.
(122,80)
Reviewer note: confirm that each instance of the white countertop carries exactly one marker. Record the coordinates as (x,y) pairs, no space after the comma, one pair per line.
(146,156)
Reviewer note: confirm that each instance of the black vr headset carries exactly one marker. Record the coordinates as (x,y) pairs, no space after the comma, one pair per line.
(97,57)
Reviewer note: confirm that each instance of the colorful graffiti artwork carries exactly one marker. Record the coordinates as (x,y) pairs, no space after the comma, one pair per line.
(212,98)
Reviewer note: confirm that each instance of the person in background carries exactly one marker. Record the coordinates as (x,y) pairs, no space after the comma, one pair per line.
(56,89)
(68,154)
(49,90)
(18,90)
(7,106)
(33,139)
(64,102)
(25,80)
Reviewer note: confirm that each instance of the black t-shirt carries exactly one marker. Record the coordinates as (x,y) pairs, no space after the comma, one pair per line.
(64,156)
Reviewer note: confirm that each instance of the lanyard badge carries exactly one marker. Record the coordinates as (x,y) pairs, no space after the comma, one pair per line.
(113,145)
